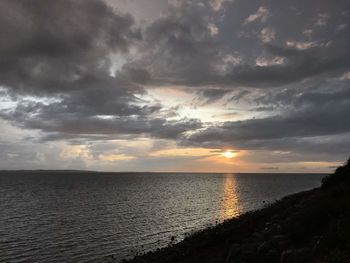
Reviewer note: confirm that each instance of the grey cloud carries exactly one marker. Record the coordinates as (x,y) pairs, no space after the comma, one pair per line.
(309,115)
(301,124)
(64,122)
(179,47)
(184,52)
(300,64)
(240,95)
(309,149)
(213,94)
(269,168)
(261,15)
(23,156)
(306,94)
(58,46)
(328,55)
(266,108)
(134,74)
(59,51)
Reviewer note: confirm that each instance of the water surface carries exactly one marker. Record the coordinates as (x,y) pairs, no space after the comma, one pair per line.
(80,217)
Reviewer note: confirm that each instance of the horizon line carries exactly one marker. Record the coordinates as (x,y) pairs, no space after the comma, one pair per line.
(169,172)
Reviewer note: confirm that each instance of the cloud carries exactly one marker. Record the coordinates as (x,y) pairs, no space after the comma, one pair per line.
(180,47)
(300,124)
(263,61)
(58,51)
(269,168)
(261,15)
(217,5)
(58,46)
(213,29)
(56,73)
(322,19)
(267,34)
(212,95)
(314,121)
(298,64)
(81,71)
(68,119)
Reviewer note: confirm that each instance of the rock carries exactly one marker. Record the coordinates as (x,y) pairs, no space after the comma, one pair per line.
(343,229)
(272,256)
(275,217)
(268,231)
(317,245)
(256,235)
(272,229)
(233,252)
(277,227)
(267,252)
(295,256)
(280,242)
(249,256)
(264,247)
(279,238)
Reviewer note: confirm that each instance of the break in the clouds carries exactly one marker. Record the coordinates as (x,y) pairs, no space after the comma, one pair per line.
(267,78)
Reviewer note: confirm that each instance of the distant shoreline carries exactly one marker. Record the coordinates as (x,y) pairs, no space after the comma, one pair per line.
(131,172)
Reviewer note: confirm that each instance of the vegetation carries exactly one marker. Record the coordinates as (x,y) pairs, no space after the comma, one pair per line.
(340,176)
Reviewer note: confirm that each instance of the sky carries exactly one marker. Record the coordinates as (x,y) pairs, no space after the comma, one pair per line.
(191,86)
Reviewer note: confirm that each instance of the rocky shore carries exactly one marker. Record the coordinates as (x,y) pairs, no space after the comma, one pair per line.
(311,226)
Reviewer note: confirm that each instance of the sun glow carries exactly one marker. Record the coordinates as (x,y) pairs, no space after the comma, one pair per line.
(229,154)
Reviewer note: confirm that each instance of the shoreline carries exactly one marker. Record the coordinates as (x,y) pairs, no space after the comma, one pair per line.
(191,249)
(309,226)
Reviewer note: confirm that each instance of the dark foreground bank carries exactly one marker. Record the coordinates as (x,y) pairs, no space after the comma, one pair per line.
(312,226)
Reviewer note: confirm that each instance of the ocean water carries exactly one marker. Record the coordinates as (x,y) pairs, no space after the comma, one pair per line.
(83,217)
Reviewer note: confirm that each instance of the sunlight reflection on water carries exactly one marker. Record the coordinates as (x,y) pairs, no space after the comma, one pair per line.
(230,202)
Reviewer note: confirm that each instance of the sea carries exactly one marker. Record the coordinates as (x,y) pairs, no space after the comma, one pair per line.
(72,216)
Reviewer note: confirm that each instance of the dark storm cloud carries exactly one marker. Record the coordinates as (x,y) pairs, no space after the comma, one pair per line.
(310,48)
(213,94)
(180,47)
(309,149)
(284,57)
(194,45)
(240,95)
(299,47)
(308,115)
(54,46)
(307,94)
(70,121)
(300,64)
(58,52)
(303,124)
(137,75)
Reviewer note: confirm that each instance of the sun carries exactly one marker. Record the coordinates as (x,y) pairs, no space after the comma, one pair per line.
(229,154)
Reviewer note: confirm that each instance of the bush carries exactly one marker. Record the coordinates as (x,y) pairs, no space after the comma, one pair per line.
(341,174)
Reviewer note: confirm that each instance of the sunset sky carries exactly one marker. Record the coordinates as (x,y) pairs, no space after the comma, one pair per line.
(156,85)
